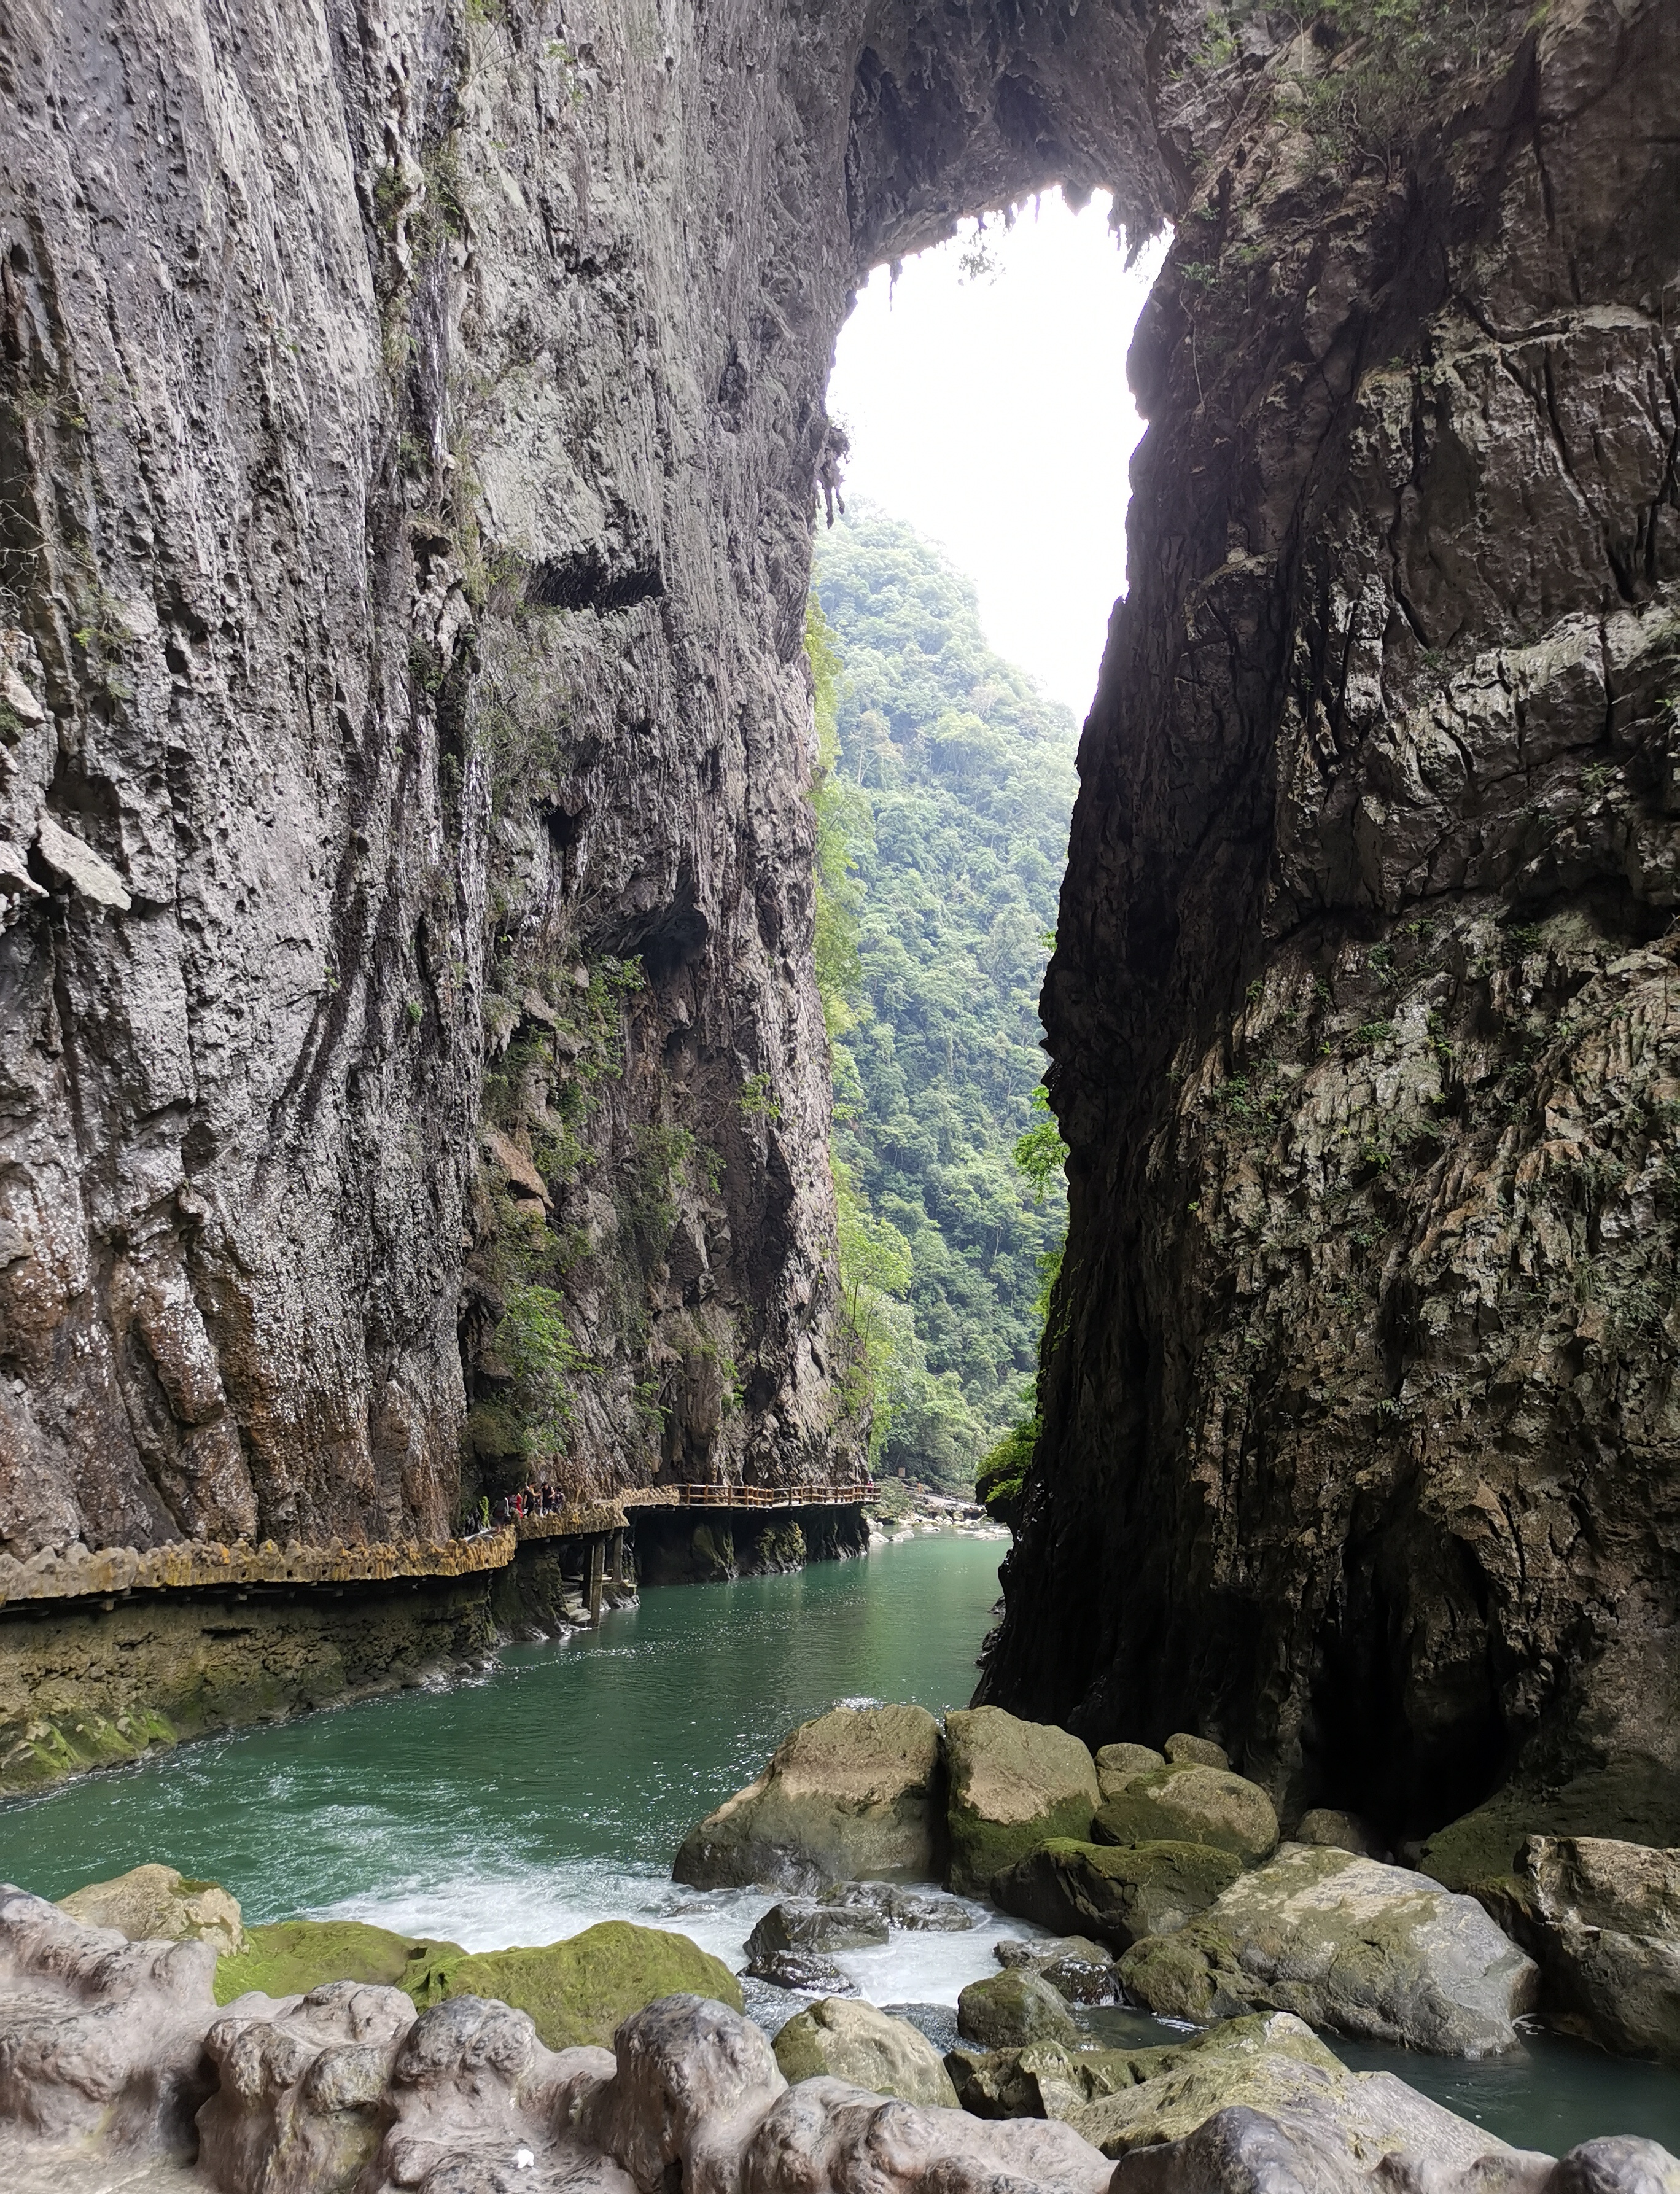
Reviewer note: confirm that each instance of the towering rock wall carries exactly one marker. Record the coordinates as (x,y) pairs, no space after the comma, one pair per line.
(1362,1433)
(409,1047)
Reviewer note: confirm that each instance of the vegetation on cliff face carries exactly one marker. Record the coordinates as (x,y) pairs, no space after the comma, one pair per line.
(944,789)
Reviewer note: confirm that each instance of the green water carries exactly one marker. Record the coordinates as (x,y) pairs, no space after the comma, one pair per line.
(553,1792)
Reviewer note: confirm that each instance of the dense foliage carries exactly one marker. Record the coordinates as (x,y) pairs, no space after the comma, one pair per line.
(945,784)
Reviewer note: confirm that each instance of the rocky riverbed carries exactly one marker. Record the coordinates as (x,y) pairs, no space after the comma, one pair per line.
(150,2038)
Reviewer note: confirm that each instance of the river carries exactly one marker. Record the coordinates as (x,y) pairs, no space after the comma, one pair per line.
(553,1792)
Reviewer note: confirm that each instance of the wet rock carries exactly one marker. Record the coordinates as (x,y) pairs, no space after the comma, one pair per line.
(1078,1969)
(156,1903)
(296,2109)
(1323,1825)
(1190,1804)
(577,1991)
(1186,1751)
(100,2036)
(1012,1784)
(1603,1920)
(855,1792)
(802,1973)
(854,2042)
(1117,1765)
(920,1910)
(800,1923)
(1117,1891)
(1629,1799)
(1344,1943)
(1008,2009)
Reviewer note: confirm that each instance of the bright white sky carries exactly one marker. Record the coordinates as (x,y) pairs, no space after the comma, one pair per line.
(992,413)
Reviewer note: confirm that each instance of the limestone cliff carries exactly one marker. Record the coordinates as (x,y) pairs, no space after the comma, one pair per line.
(1361,1446)
(411,417)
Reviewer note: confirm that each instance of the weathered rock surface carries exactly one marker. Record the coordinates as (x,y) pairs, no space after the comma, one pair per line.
(854,2042)
(1342,1943)
(1117,1893)
(1602,1921)
(801,1923)
(856,1792)
(1359,1449)
(100,2038)
(1007,2010)
(157,1903)
(1184,1750)
(1193,1803)
(1324,2141)
(1014,1784)
(1324,1824)
(297,2109)
(1117,1765)
(577,1992)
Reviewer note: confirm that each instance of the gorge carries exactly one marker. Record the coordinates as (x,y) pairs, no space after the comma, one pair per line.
(413,1056)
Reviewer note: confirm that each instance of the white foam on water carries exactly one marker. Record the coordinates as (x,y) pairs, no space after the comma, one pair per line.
(495,1912)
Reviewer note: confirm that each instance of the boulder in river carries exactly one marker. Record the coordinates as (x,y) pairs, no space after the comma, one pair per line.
(1078,1969)
(156,1903)
(801,1973)
(854,2041)
(1117,1765)
(855,1793)
(920,1910)
(1009,2009)
(1119,1893)
(578,1990)
(1344,1943)
(1602,1918)
(296,2109)
(1191,1804)
(100,2037)
(289,1957)
(801,1923)
(1013,1783)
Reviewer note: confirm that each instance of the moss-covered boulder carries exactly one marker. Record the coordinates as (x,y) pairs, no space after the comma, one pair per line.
(854,2041)
(1080,1970)
(1009,2009)
(1629,1799)
(1339,1831)
(1118,1893)
(578,1990)
(1013,1785)
(1184,1750)
(854,1793)
(292,1957)
(1342,1942)
(1117,1765)
(157,1903)
(1191,1805)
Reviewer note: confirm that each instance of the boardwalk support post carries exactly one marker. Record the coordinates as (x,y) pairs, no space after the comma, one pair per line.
(597,1568)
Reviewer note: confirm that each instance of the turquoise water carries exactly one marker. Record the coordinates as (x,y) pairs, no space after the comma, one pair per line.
(554,1791)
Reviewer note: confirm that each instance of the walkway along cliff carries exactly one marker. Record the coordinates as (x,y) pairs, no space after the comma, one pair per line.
(413,416)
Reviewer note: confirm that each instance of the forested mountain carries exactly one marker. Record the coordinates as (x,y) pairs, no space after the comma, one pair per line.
(951,782)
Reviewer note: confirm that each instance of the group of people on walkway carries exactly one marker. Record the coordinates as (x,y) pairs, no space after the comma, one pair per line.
(532,1500)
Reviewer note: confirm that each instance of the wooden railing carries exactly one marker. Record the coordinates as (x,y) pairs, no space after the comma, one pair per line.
(754,1497)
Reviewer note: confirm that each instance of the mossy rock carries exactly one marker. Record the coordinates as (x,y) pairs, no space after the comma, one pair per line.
(1191,1804)
(854,2041)
(1632,1800)
(1117,1765)
(292,1957)
(580,1990)
(1010,2009)
(159,1903)
(1117,1893)
(1014,1784)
